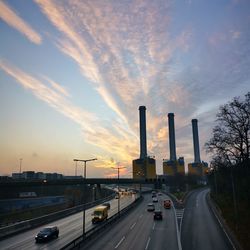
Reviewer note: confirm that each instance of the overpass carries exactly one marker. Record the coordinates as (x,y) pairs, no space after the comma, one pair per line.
(91,181)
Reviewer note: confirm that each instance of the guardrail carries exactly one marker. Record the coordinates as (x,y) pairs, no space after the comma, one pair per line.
(79,241)
(28,224)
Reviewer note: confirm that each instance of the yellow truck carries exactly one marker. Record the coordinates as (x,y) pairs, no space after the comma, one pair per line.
(100,214)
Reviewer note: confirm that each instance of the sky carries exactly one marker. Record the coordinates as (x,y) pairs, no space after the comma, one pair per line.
(74,73)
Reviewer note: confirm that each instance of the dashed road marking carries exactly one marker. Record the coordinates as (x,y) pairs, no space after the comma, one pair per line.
(147,243)
(120,242)
(154,226)
(132,226)
(140,215)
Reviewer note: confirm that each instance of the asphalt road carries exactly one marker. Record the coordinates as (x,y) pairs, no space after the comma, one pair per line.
(138,230)
(200,229)
(70,228)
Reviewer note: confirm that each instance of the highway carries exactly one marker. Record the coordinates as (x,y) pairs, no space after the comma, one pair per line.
(138,230)
(200,229)
(70,228)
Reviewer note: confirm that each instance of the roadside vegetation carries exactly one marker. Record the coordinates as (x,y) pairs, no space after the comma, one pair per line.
(229,178)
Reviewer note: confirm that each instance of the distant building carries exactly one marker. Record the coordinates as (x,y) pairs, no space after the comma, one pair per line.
(198,168)
(145,166)
(16,176)
(173,166)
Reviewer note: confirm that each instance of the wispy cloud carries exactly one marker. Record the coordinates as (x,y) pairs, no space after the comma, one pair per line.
(124,49)
(115,139)
(11,18)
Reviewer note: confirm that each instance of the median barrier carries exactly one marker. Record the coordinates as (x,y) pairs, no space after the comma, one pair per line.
(28,224)
(79,241)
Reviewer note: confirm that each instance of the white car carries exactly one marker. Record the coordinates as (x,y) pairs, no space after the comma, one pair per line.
(155,199)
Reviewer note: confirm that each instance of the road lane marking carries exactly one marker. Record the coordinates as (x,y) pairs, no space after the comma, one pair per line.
(140,215)
(120,242)
(147,243)
(132,226)
(177,229)
(154,226)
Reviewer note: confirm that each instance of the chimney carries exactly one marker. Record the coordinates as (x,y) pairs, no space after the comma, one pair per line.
(197,158)
(143,136)
(171,136)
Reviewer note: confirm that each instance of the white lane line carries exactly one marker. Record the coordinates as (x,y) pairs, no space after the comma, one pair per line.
(132,226)
(154,226)
(177,230)
(120,242)
(140,215)
(147,243)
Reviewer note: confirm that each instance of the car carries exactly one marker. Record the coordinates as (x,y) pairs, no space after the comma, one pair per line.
(107,204)
(155,199)
(160,194)
(158,215)
(153,195)
(151,207)
(167,204)
(47,233)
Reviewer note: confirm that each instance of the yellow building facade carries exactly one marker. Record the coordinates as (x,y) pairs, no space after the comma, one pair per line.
(144,168)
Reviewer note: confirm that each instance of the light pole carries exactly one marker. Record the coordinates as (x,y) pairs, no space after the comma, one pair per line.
(20,166)
(118,177)
(85,166)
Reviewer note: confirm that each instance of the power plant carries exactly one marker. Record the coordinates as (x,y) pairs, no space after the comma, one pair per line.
(198,167)
(173,166)
(145,166)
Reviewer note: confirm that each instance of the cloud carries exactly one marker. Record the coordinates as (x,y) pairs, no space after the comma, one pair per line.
(12,19)
(120,52)
(115,139)
(57,87)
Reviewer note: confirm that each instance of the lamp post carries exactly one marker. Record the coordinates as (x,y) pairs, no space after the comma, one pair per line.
(85,166)
(118,178)
(20,166)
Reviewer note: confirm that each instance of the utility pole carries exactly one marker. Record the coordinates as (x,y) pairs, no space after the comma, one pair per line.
(20,166)
(84,201)
(118,178)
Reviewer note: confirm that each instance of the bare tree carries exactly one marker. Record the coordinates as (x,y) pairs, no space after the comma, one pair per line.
(230,143)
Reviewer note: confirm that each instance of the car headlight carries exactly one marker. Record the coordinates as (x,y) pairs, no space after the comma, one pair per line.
(45,236)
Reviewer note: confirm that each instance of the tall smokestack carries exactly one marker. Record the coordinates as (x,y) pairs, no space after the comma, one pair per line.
(197,158)
(143,136)
(171,136)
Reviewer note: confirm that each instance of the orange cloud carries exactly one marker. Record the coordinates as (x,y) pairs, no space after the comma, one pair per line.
(12,19)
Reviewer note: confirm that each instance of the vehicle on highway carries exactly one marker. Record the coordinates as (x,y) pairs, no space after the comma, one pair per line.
(47,233)
(158,215)
(155,199)
(100,214)
(107,204)
(151,207)
(160,194)
(167,204)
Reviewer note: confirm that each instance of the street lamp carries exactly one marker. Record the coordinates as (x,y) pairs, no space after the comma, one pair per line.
(20,166)
(85,166)
(118,177)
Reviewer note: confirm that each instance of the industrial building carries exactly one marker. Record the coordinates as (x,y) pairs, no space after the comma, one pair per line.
(173,166)
(198,167)
(145,166)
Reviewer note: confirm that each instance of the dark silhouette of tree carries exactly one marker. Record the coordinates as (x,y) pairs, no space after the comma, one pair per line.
(230,144)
